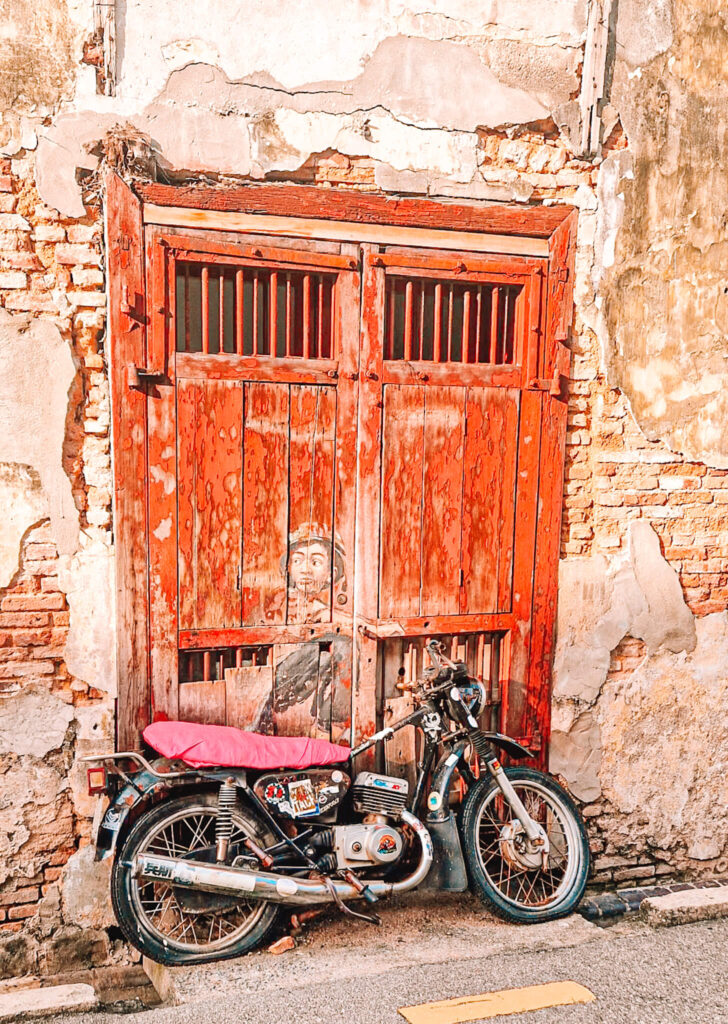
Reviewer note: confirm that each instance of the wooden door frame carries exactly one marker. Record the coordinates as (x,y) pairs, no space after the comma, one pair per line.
(547,233)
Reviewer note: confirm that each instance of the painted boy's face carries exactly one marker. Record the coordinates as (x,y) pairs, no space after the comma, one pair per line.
(309,568)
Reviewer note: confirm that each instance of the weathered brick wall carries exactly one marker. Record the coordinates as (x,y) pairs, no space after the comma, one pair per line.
(50,268)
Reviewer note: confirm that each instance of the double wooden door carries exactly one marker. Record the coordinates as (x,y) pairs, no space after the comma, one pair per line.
(343,454)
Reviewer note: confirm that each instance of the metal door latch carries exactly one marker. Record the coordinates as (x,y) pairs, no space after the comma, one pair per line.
(553,384)
(138,377)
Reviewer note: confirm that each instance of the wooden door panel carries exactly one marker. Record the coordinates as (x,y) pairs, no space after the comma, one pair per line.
(488,499)
(311,538)
(248,693)
(203,702)
(402,464)
(209,468)
(442,503)
(265,503)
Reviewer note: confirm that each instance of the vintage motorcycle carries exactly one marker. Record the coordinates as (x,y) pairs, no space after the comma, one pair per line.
(212,840)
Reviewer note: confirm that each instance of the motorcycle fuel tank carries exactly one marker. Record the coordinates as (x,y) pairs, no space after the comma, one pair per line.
(313,793)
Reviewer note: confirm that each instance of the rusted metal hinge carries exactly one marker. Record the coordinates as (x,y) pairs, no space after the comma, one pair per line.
(129,308)
(138,377)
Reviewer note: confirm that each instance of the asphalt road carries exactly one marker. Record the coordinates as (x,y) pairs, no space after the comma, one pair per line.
(638,975)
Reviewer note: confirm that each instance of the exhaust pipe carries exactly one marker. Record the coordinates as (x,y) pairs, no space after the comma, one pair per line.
(263,885)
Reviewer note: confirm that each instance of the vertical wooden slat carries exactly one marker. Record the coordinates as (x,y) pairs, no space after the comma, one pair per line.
(162,497)
(465,342)
(341,675)
(536,711)
(320,318)
(273,313)
(210,503)
(478,324)
(345,344)
(295,686)
(221,310)
(127,345)
(449,322)
(367,498)
(408,316)
(187,399)
(400,749)
(187,308)
(529,443)
(506,356)
(239,311)
(248,691)
(311,483)
(494,340)
(205,277)
(265,503)
(442,499)
(402,463)
(437,326)
(488,496)
(507,521)
(389,350)
(421,350)
(289,314)
(306,316)
(256,298)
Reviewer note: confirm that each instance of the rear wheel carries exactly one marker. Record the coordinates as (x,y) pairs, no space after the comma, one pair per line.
(516,881)
(175,926)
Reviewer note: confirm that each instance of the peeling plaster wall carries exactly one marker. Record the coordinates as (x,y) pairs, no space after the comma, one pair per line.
(447,98)
(665,297)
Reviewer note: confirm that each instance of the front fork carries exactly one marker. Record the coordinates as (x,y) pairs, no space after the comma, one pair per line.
(536,834)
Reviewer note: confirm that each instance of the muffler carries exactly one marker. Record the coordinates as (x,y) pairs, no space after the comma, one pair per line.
(263,885)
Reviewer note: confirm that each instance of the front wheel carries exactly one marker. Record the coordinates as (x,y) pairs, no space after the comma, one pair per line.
(514,880)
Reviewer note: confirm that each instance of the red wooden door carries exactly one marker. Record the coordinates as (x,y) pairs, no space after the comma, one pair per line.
(451,424)
(251,480)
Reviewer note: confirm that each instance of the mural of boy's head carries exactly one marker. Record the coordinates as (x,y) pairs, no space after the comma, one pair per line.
(308,563)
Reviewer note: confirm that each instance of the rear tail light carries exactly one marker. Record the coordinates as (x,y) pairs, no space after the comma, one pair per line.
(96,780)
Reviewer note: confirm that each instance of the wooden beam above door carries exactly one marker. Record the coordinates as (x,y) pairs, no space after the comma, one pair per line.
(344,231)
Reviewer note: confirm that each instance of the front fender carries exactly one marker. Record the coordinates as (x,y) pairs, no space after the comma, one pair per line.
(146,788)
(511,747)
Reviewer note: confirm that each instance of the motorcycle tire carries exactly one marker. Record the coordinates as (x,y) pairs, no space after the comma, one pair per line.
(156,918)
(507,876)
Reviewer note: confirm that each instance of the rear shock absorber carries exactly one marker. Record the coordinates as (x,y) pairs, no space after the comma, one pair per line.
(226,798)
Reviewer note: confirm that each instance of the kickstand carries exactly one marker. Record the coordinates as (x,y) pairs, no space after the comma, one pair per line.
(371,918)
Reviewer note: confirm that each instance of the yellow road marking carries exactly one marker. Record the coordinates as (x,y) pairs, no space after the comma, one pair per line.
(496,1004)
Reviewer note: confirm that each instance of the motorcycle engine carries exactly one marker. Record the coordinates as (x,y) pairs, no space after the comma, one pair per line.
(358,845)
(373,841)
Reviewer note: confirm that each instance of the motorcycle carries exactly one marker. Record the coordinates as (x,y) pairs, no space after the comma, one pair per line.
(227,828)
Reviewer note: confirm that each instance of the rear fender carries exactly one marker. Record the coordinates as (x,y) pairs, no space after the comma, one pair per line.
(146,788)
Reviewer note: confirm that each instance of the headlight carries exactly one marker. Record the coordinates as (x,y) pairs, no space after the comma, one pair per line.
(474,696)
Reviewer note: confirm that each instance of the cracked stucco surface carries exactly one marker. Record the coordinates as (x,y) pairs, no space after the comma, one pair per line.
(602,601)
(34,356)
(665,300)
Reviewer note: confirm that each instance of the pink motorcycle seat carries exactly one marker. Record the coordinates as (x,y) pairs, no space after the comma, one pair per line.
(210,746)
